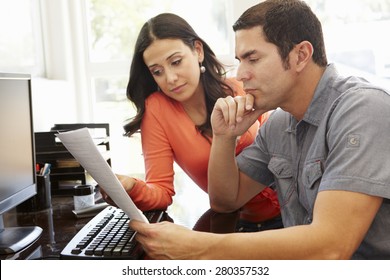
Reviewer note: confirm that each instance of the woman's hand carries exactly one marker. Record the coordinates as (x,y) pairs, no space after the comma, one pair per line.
(127,183)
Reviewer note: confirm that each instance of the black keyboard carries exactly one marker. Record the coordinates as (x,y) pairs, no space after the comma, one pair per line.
(108,236)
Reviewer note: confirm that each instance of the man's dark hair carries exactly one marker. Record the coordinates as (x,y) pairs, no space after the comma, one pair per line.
(286,23)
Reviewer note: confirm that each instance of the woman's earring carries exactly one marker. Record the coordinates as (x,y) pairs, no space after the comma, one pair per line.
(202,68)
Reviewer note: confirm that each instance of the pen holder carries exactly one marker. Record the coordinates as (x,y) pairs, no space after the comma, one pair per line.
(40,201)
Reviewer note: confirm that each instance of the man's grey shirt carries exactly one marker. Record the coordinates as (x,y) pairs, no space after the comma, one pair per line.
(342,143)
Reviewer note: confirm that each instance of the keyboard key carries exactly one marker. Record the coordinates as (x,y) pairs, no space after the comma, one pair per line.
(76,251)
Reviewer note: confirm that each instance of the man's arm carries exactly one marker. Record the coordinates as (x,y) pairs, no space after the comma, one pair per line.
(231,117)
(229,189)
(340,222)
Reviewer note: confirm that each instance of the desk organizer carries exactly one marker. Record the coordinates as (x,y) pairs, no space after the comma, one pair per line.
(66,172)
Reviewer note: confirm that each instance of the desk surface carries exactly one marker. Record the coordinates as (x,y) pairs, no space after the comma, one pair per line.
(59,224)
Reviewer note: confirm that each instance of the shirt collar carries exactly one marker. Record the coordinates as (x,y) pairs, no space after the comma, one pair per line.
(316,110)
(318,106)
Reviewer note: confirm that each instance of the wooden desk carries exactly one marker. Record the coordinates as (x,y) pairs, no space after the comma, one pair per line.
(60,225)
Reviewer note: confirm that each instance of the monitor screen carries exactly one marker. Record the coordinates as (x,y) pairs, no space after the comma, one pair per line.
(17,155)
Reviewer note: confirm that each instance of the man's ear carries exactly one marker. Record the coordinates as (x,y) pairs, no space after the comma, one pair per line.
(304,52)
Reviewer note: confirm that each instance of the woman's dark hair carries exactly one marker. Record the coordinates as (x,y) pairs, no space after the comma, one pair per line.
(141,83)
(286,23)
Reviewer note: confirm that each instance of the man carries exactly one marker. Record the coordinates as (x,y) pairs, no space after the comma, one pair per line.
(325,148)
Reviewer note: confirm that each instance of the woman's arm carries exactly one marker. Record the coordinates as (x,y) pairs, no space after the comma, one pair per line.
(156,191)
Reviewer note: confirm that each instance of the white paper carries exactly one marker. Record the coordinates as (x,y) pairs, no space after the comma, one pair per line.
(80,144)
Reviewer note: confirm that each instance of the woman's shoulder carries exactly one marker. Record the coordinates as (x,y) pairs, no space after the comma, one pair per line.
(158,100)
(156,97)
(162,107)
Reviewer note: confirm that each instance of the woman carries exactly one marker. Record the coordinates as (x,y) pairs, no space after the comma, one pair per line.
(175,80)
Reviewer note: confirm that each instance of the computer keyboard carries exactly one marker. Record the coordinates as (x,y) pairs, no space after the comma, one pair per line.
(108,236)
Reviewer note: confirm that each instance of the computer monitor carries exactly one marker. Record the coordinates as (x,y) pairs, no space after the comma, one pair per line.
(17,158)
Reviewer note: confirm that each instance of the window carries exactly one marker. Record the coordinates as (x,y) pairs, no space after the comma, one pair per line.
(355,35)
(113,26)
(20,41)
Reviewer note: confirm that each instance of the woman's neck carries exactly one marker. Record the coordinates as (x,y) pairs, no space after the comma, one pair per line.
(195,107)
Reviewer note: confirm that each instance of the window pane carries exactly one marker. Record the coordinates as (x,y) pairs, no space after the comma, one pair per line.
(111,101)
(355,33)
(114,25)
(17,42)
(112,106)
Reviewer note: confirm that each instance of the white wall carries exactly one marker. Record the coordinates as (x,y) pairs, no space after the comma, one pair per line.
(53,102)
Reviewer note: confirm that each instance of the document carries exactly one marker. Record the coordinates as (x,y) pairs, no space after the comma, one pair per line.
(82,147)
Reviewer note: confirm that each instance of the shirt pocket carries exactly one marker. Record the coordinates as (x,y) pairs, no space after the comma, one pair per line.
(311,178)
(282,170)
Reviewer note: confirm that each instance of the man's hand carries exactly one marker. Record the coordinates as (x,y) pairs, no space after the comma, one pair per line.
(233,116)
(166,241)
